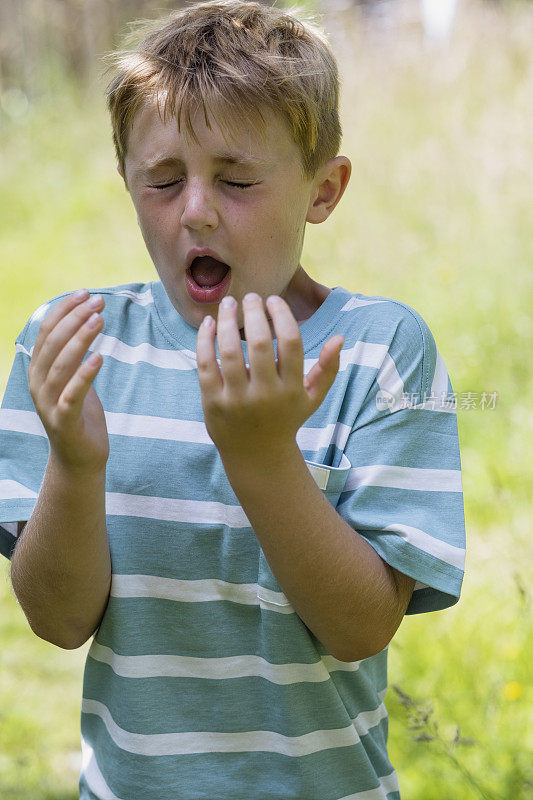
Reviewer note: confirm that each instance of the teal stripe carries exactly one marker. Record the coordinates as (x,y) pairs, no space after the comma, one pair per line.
(202,704)
(210,628)
(439,514)
(398,436)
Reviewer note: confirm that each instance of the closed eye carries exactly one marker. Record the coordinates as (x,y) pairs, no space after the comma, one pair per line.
(230,183)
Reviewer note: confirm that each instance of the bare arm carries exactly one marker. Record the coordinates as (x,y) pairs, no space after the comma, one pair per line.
(61,566)
(350,598)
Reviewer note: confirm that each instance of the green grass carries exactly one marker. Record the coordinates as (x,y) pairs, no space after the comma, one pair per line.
(438,214)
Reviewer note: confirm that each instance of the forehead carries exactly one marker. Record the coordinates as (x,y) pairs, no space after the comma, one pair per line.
(151,141)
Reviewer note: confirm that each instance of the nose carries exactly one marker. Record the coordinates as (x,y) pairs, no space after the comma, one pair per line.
(199,208)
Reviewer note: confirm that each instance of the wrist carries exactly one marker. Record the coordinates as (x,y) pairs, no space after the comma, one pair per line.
(70,470)
(260,458)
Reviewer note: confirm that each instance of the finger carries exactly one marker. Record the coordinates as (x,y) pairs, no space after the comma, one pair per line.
(259,337)
(208,371)
(320,378)
(71,398)
(52,318)
(68,361)
(232,362)
(58,334)
(290,345)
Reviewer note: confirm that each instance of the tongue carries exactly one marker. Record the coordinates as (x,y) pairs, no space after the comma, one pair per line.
(207,271)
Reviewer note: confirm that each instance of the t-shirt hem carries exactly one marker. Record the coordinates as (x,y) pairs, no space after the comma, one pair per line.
(13,512)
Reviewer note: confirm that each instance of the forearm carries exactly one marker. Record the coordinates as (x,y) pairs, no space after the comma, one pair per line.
(61,566)
(335,581)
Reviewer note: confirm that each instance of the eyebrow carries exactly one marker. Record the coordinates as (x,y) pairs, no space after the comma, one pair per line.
(240,159)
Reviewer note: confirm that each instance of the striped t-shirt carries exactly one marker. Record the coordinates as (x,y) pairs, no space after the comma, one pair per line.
(202,681)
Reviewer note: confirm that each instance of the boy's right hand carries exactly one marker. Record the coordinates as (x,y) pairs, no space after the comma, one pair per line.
(61,386)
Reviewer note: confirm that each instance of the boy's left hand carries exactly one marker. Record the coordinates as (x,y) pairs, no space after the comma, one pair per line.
(248,410)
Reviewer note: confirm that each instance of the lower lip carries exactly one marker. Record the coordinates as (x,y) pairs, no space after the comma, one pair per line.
(210,294)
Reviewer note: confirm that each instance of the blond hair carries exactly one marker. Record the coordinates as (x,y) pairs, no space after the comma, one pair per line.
(236,55)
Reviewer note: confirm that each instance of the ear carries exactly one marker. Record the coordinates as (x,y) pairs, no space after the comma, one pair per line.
(119,170)
(329,188)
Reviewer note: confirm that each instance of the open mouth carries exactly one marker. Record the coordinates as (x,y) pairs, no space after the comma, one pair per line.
(207,279)
(207,272)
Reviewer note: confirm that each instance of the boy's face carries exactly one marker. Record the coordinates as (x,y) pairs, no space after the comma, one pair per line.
(258,231)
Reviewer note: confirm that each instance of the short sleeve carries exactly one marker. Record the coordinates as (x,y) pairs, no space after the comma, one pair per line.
(24,445)
(404,493)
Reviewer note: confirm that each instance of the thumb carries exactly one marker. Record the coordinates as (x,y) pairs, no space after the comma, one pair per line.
(319,380)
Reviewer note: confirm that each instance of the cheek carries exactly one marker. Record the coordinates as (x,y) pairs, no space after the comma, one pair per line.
(156,224)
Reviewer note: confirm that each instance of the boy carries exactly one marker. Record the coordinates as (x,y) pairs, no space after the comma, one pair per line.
(241,541)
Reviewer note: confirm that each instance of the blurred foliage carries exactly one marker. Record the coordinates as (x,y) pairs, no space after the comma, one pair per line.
(437,214)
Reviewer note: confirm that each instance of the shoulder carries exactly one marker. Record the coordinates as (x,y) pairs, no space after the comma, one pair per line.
(386,319)
(117,301)
(394,339)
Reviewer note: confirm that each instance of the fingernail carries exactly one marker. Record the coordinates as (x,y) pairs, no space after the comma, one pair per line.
(80,293)
(93,320)
(96,300)
(228,302)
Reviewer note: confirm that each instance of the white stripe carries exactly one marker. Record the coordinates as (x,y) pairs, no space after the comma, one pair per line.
(274,601)
(387,784)
(19,348)
(92,774)
(455,556)
(209,590)
(363,354)
(142,425)
(170,429)
(201,512)
(366,720)
(416,479)
(356,302)
(229,667)
(380,792)
(181,359)
(389,381)
(197,512)
(440,378)
(107,345)
(97,784)
(166,744)
(141,298)
(21,422)
(317,438)
(367,354)
(42,310)
(166,508)
(13,490)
